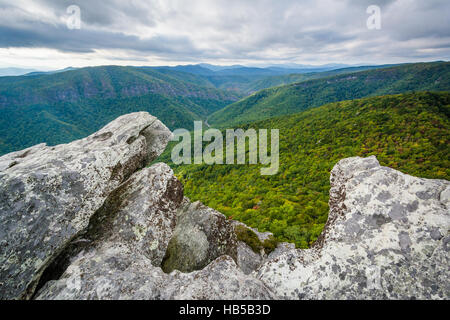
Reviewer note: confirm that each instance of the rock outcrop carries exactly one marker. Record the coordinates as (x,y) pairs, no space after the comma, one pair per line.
(387,237)
(48,194)
(120,255)
(86,220)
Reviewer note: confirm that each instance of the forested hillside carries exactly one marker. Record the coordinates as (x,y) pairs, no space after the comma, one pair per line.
(63,105)
(408,132)
(238,79)
(300,96)
(60,107)
(285,79)
(245,81)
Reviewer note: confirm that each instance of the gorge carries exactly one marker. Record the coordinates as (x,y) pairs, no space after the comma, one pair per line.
(90,220)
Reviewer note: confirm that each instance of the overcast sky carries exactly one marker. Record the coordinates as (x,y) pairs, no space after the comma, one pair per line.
(253,32)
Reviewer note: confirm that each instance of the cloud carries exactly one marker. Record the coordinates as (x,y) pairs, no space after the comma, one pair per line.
(314,31)
(41,35)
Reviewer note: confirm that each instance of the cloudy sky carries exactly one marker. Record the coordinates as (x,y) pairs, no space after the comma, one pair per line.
(36,33)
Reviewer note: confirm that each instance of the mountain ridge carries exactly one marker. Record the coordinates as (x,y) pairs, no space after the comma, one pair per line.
(300,96)
(47,107)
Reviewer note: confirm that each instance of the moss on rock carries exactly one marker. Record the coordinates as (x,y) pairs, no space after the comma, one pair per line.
(249,237)
(270,244)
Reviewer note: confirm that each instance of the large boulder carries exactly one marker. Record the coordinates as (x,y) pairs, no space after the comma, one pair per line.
(387,237)
(49,194)
(120,254)
(201,235)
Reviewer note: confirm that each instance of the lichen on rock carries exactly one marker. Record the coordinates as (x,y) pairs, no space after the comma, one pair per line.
(48,194)
(386,238)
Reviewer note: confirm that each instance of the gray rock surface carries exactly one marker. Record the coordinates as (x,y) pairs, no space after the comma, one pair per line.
(48,194)
(247,259)
(85,221)
(201,235)
(122,250)
(221,279)
(121,275)
(387,237)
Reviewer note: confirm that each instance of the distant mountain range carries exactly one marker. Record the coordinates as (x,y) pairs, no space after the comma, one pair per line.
(273,69)
(14,71)
(238,78)
(63,105)
(328,88)
(37,73)
(246,80)
(200,69)
(5,72)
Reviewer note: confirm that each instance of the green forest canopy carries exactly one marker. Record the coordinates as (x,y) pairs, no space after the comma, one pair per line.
(408,132)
